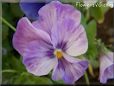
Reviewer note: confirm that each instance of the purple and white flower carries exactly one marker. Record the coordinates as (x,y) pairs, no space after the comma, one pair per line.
(52,41)
(106,67)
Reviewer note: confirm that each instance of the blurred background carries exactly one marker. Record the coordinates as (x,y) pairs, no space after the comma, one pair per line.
(14,72)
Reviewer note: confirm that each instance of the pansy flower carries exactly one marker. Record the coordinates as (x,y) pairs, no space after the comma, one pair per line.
(53,42)
(106,67)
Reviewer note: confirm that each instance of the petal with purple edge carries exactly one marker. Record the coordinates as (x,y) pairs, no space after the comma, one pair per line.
(47,17)
(55,12)
(39,66)
(75,40)
(31,8)
(78,43)
(109,72)
(37,59)
(64,27)
(70,70)
(39,49)
(58,71)
(106,67)
(26,33)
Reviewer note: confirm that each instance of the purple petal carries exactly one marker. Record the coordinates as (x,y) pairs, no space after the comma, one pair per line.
(50,0)
(76,40)
(36,59)
(38,48)
(55,12)
(69,70)
(78,43)
(31,8)
(106,67)
(39,66)
(27,33)
(62,22)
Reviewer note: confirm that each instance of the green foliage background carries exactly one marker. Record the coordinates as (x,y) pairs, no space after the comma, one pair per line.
(14,71)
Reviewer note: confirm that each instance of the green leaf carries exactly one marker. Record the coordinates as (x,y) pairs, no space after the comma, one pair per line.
(27,78)
(91,30)
(91,35)
(17,64)
(83,20)
(59,82)
(105,9)
(11,62)
(8,76)
(92,52)
(97,13)
(13,77)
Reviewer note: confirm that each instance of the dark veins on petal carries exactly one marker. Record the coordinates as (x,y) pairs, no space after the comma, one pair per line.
(50,53)
(61,45)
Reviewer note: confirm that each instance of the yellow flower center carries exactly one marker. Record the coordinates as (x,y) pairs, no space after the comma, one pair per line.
(58,54)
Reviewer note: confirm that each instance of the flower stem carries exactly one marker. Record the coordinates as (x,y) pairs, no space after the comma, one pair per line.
(86,78)
(9,71)
(7,23)
(91,70)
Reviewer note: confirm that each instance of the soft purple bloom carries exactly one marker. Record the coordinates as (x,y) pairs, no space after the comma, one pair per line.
(106,67)
(52,41)
(31,8)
